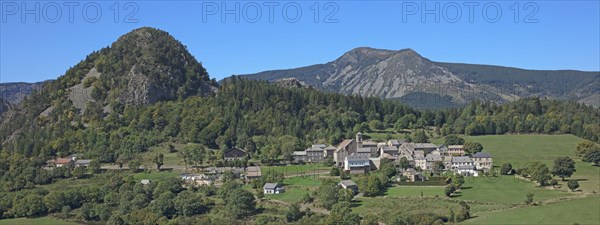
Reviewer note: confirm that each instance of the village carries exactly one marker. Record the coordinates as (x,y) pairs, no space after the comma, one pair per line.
(414,162)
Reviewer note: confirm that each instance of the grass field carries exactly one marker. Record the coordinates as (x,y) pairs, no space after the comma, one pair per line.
(520,150)
(505,189)
(36,221)
(415,191)
(170,159)
(385,205)
(582,211)
(96,179)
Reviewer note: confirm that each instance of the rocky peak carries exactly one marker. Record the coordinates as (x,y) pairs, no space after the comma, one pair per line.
(291,83)
(152,66)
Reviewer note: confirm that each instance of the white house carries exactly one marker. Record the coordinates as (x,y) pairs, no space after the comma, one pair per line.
(467,171)
(356,163)
(272,188)
(421,162)
(463,165)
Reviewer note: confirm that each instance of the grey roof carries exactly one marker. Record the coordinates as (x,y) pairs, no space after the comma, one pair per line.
(466,167)
(433,157)
(314,149)
(482,155)
(461,159)
(394,142)
(389,148)
(408,146)
(83,161)
(319,146)
(145,181)
(425,145)
(419,152)
(364,150)
(234,152)
(299,153)
(369,143)
(347,183)
(456,146)
(270,186)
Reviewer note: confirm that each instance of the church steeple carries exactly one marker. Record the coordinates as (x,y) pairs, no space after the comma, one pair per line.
(359,139)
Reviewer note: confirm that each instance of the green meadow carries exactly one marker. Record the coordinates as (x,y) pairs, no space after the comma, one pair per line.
(581,211)
(520,150)
(505,189)
(35,221)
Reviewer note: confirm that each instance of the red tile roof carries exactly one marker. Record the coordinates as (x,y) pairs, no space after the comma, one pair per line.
(62,161)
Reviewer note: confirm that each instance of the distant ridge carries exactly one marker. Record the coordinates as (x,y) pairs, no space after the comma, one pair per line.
(396,74)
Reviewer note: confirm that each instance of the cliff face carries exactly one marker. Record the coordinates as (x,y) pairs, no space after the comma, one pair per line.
(15,92)
(4,106)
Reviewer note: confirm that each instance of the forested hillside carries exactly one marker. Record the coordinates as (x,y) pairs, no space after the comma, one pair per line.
(253,115)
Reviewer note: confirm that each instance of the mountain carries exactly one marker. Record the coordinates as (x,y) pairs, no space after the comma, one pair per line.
(145,66)
(15,92)
(420,82)
(142,67)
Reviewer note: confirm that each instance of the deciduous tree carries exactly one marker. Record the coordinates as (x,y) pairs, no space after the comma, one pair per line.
(563,167)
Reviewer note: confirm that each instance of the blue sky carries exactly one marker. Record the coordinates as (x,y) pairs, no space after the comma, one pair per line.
(547,34)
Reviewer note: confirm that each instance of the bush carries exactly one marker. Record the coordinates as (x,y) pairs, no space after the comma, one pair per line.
(506,169)
(529,198)
(293,213)
(573,185)
(334,172)
(449,190)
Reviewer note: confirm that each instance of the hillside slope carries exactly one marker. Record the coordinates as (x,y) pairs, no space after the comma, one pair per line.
(142,67)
